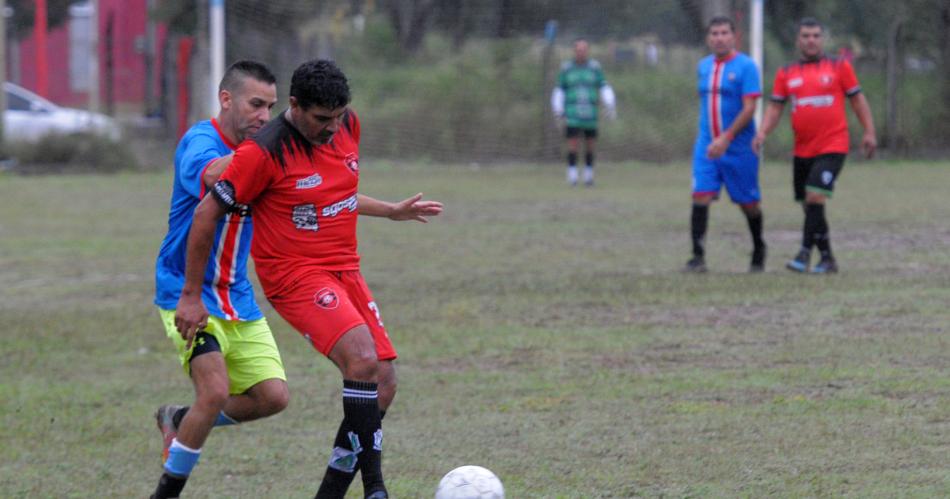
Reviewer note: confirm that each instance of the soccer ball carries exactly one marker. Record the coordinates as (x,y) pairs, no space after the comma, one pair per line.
(470,482)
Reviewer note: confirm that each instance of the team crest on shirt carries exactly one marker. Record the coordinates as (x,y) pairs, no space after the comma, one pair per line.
(731,76)
(825,80)
(326,298)
(352,161)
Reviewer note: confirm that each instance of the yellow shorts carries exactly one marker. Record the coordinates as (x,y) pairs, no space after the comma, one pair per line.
(249,350)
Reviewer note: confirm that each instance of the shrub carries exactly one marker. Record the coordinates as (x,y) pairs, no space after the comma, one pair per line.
(79,153)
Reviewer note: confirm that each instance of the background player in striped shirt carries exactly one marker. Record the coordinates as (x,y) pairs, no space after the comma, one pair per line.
(817,86)
(300,176)
(581,88)
(728,89)
(233,362)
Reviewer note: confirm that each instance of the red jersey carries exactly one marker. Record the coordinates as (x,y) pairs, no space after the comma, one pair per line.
(817,90)
(303,198)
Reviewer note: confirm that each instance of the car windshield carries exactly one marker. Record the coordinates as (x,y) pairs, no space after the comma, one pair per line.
(21,99)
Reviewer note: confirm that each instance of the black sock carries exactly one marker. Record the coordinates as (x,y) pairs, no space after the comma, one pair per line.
(755,228)
(361,410)
(572,159)
(814,213)
(361,428)
(179,415)
(698,221)
(822,236)
(169,486)
(589,159)
(337,481)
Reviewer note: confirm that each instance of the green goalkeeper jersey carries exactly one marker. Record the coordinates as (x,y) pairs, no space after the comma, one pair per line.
(581,84)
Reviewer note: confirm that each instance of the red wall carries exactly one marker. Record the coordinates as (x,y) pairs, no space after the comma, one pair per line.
(128,61)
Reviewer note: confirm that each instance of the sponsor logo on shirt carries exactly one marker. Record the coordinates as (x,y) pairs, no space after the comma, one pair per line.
(335,209)
(305,217)
(310,182)
(815,101)
(352,161)
(326,299)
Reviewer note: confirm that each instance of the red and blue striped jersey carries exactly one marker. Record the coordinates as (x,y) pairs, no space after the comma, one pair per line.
(722,85)
(227,292)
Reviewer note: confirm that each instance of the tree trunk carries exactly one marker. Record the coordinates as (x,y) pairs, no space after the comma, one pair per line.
(891,138)
(713,8)
(410,19)
(944,34)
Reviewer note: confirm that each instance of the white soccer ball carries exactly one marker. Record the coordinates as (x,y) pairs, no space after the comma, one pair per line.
(470,482)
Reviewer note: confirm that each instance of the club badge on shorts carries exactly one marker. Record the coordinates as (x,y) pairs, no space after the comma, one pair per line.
(326,299)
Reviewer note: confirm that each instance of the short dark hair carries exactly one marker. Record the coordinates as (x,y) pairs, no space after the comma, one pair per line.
(809,22)
(242,69)
(320,83)
(717,20)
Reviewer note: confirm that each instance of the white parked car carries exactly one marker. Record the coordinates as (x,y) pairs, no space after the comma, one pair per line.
(30,117)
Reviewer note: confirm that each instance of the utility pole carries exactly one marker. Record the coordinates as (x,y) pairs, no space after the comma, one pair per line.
(93,102)
(755,46)
(149,59)
(3,67)
(217,51)
(42,68)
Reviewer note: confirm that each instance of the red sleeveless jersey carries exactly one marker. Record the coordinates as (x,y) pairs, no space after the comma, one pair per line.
(817,90)
(303,198)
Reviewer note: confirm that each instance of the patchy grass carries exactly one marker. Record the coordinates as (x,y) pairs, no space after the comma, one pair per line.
(544,333)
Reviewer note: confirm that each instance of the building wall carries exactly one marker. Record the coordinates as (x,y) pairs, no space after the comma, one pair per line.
(127,22)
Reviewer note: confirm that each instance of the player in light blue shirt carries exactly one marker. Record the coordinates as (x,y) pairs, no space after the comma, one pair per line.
(728,85)
(233,362)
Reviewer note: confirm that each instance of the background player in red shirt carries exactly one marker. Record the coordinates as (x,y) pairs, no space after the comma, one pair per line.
(300,176)
(817,86)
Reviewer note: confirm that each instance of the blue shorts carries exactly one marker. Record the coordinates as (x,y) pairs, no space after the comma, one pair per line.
(740,173)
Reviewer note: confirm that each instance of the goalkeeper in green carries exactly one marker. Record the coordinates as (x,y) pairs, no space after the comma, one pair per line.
(581,88)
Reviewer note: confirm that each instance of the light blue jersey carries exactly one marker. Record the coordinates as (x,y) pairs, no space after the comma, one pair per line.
(227,292)
(722,84)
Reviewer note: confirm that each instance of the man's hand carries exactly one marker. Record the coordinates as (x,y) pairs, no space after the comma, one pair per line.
(718,146)
(415,209)
(191,316)
(869,144)
(757,142)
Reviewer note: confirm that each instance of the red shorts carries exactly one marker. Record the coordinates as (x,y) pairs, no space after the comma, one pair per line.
(325,304)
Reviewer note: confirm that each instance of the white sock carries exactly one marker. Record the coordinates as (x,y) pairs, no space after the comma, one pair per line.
(588,174)
(572,174)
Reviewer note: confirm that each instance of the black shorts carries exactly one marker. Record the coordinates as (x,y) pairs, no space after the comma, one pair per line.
(573,131)
(816,174)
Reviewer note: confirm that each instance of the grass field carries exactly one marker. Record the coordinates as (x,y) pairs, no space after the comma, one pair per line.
(544,333)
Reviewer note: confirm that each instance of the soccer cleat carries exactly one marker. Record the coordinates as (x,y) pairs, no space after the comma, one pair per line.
(800,262)
(696,265)
(165,419)
(588,177)
(826,266)
(758,260)
(379,494)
